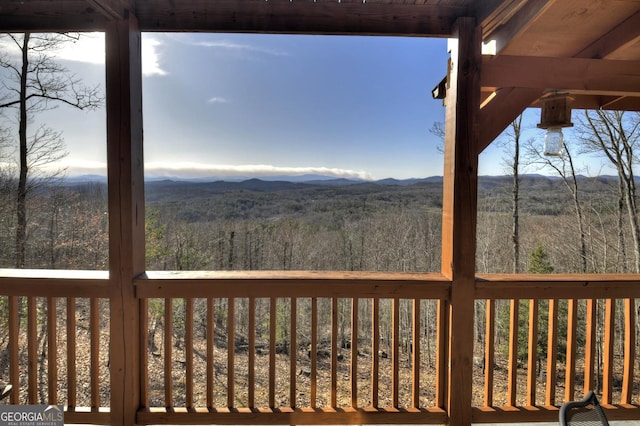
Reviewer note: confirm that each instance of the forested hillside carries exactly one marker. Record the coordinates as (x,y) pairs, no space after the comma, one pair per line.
(324,225)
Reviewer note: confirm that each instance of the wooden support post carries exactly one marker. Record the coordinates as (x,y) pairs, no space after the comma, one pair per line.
(125,171)
(459,210)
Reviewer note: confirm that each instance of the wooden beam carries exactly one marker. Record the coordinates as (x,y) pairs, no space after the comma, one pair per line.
(514,20)
(601,76)
(112,9)
(496,115)
(44,15)
(278,16)
(623,35)
(509,102)
(493,13)
(125,170)
(460,187)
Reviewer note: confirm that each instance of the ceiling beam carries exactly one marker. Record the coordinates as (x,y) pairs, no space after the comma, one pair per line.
(277,16)
(588,101)
(54,16)
(623,35)
(513,21)
(507,104)
(600,76)
(493,14)
(112,9)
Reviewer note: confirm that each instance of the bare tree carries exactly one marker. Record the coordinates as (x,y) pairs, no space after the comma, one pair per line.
(615,135)
(34,82)
(514,134)
(564,166)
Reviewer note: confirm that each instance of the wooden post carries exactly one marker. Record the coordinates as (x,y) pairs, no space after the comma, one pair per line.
(459,210)
(126,212)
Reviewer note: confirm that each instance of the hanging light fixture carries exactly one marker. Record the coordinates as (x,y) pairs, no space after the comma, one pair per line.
(556,114)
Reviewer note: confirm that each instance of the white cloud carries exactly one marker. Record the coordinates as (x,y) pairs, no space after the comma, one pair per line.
(230,45)
(78,167)
(151,58)
(217,100)
(199,170)
(90,48)
(191,170)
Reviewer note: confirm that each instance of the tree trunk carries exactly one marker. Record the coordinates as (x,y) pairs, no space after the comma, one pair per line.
(622,249)
(633,219)
(515,237)
(21,200)
(579,216)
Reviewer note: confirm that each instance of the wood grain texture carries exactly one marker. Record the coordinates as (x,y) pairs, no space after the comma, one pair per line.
(459,210)
(125,180)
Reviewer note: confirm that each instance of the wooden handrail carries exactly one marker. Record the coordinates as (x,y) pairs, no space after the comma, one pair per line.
(157,284)
(53,283)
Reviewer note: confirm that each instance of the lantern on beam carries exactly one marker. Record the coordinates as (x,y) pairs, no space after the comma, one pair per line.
(556,114)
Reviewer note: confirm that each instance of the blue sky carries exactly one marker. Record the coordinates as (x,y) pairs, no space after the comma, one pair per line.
(358,106)
(245,105)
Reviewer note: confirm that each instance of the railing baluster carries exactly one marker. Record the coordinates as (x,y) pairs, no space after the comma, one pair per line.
(415,354)
(514,320)
(94,325)
(71,353)
(354,352)
(14,356)
(52,350)
(144,353)
(293,353)
(609,338)
(32,349)
(533,352)
(570,365)
(489,351)
(168,352)
(375,350)
(211,339)
(188,349)
(334,350)
(231,345)
(252,353)
(442,352)
(314,353)
(629,350)
(590,344)
(552,352)
(273,311)
(395,352)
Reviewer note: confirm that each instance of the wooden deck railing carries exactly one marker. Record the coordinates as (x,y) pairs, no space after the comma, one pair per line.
(298,350)
(322,348)
(590,344)
(55,330)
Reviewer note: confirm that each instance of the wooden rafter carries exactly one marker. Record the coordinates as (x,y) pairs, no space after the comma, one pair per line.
(111,9)
(623,35)
(41,15)
(322,17)
(513,19)
(505,106)
(597,76)
(274,16)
